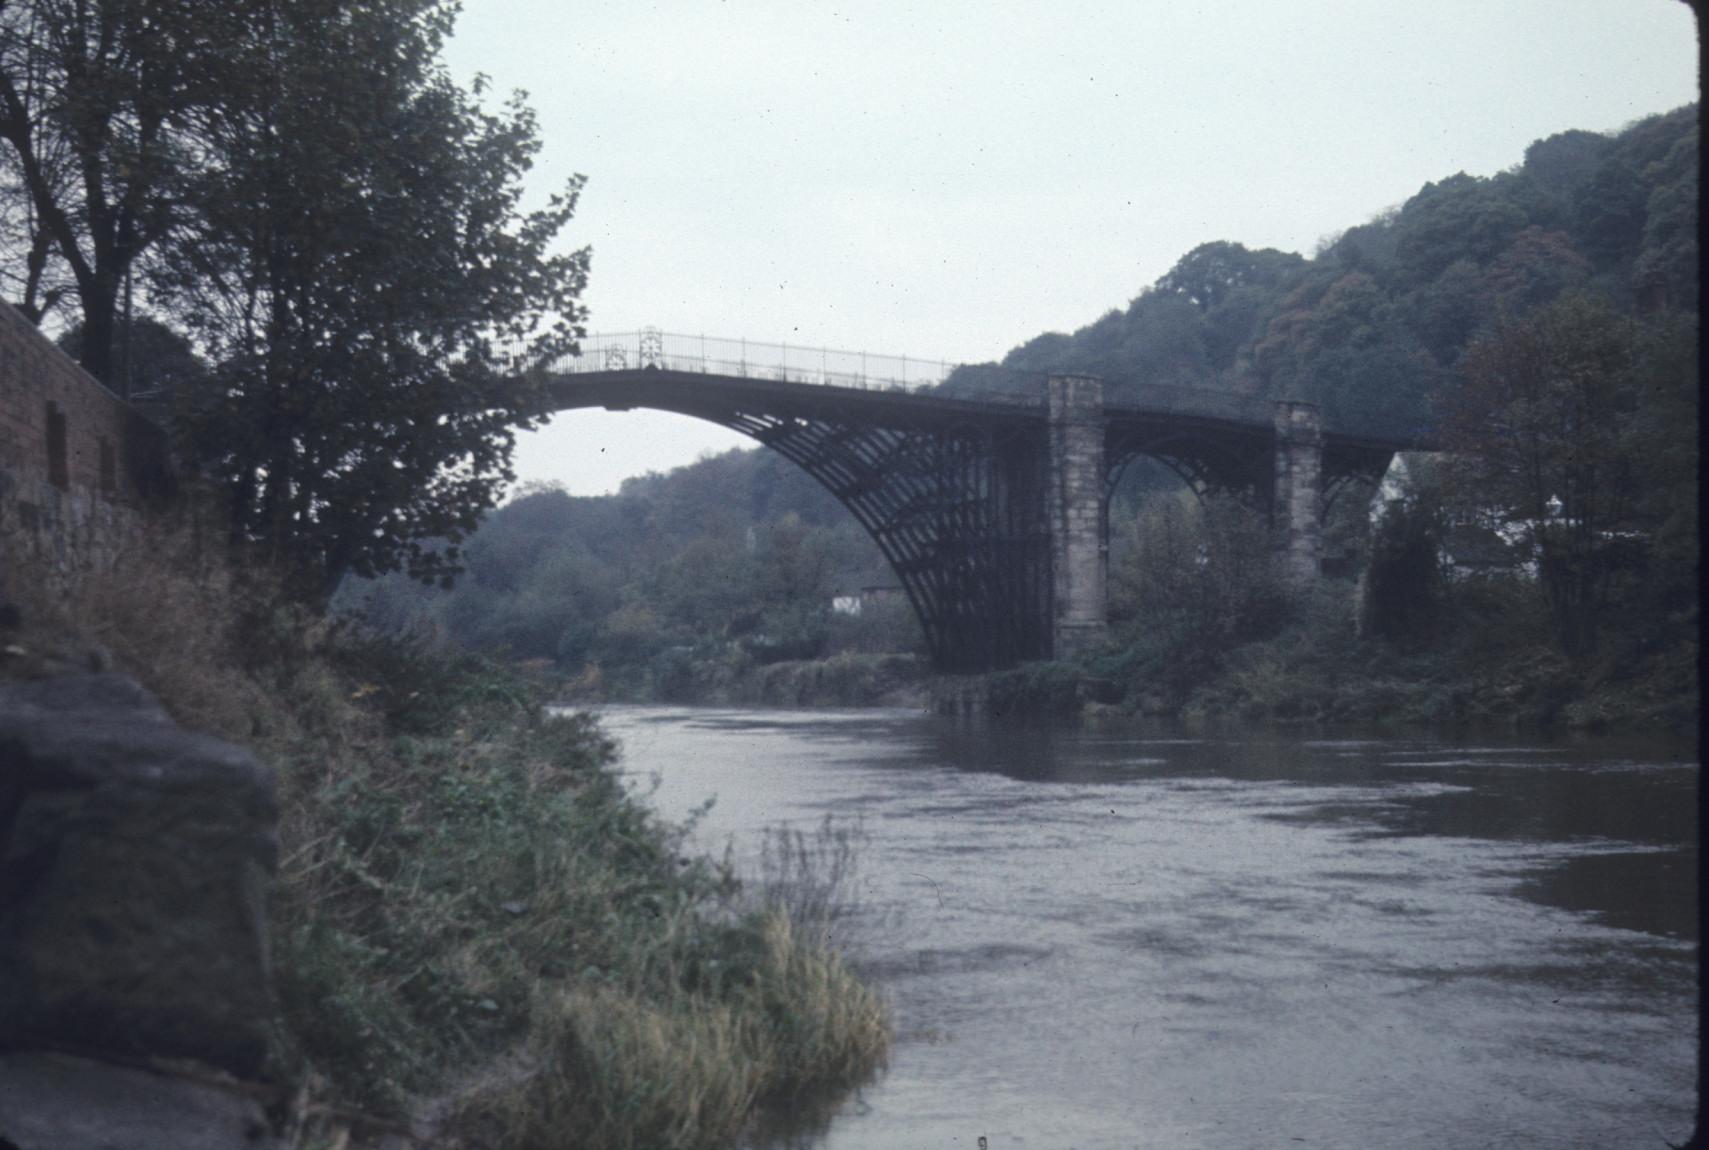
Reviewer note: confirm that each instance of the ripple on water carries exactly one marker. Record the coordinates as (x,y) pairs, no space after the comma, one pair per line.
(1342,942)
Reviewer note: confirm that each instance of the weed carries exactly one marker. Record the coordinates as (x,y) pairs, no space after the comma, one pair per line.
(809,879)
(463,877)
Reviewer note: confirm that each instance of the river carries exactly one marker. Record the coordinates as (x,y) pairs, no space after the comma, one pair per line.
(1129,936)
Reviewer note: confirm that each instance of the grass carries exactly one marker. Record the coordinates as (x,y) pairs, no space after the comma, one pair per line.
(466,882)
(1490,662)
(809,878)
(632,1072)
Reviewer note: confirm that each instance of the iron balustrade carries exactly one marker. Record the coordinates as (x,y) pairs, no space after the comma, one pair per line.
(752,359)
(984,383)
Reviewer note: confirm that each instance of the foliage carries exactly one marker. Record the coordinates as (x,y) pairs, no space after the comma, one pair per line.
(686,1074)
(1047,688)
(465,881)
(104,110)
(370,291)
(157,369)
(810,878)
(1404,582)
(1539,430)
(730,563)
(335,225)
(1206,564)
(1210,274)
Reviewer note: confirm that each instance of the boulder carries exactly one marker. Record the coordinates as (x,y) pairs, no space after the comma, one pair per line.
(57,1102)
(135,859)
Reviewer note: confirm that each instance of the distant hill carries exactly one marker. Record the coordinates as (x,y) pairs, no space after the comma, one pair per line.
(743,548)
(1375,322)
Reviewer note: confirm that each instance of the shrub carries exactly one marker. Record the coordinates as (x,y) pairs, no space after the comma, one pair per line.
(1034,689)
(463,878)
(1404,583)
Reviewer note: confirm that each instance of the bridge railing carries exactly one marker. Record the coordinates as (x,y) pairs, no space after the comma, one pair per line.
(753,359)
(985,383)
(1121,396)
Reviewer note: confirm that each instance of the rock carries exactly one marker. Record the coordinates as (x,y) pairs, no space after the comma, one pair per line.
(134,864)
(57,1102)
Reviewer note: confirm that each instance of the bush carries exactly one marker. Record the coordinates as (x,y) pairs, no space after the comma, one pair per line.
(1208,563)
(1034,689)
(687,1072)
(1404,583)
(464,880)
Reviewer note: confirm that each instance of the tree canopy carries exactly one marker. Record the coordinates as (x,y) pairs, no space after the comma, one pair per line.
(336,225)
(1409,321)
(105,108)
(1376,322)
(1554,434)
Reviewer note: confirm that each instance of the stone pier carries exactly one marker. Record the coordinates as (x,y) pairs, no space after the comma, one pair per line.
(1079,556)
(1298,503)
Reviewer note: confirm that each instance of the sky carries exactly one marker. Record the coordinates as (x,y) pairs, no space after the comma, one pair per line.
(948,179)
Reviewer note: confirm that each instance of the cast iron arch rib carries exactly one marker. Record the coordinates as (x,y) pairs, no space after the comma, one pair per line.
(1243,466)
(955,490)
(927,489)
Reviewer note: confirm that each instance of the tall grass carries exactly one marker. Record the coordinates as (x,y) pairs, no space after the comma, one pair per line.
(741,1012)
(466,882)
(810,878)
(626,1074)
(621,1071)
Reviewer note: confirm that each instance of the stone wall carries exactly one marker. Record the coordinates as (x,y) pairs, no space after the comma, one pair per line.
(77,464)
(1078,547)
(1298,506)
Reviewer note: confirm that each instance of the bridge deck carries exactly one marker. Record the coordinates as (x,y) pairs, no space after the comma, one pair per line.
(712,395)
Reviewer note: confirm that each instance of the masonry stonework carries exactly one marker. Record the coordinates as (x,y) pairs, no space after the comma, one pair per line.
(1299,496)
(1079,556)
(77,464)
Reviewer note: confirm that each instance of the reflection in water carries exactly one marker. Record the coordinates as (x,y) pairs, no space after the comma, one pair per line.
(1133,937)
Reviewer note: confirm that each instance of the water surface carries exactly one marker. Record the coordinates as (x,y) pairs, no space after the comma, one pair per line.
(1135,937)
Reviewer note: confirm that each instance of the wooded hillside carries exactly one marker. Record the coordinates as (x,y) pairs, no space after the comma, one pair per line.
(1383,326)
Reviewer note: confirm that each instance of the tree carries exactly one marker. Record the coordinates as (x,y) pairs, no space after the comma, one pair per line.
(1537,267)
(1666,269)
(370,290)
(158,370)
(1565,161)
(1461,217)
(1346,348)
(102,107)
(1445,312)
(1208,274)
(1538,428)
(1608,211)
(1205,567)
(1403,585)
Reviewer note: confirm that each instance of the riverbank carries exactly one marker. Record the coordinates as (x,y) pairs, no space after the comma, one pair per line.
(726,678)
(1493,661)
(479,934)
(1317,670)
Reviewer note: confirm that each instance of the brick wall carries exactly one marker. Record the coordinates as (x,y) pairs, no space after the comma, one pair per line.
(77,464)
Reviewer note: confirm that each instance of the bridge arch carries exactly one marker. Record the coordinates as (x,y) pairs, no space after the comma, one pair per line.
(993,510)
(951,497)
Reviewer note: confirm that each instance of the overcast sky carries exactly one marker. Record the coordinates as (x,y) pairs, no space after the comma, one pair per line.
(948,179)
